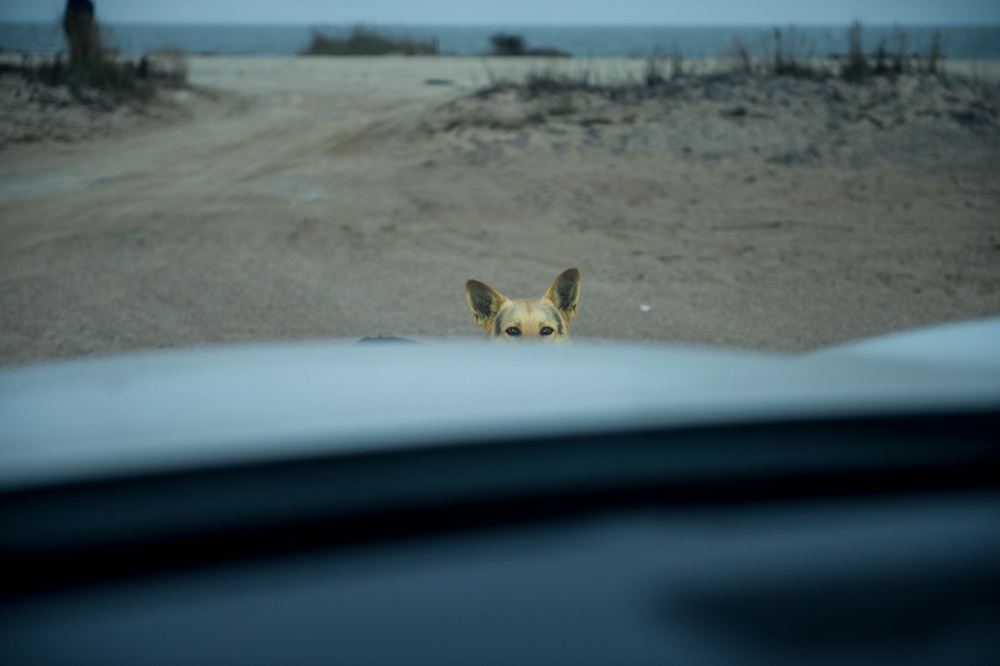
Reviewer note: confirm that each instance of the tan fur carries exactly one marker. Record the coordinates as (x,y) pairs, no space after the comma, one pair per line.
(544,319)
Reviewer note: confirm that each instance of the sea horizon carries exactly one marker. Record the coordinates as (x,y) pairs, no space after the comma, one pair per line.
(958,41)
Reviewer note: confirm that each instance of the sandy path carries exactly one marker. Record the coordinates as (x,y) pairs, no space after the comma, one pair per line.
(311,201)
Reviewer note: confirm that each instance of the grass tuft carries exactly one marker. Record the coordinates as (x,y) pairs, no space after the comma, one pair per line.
(854,66)
(544,81)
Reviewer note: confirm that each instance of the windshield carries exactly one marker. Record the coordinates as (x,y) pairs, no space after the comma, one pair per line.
(782,189)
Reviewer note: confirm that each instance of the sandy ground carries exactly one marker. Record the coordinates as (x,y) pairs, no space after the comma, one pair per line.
(293,198)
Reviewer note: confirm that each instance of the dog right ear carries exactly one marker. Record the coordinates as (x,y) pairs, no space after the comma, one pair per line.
(565,292)
(484,301)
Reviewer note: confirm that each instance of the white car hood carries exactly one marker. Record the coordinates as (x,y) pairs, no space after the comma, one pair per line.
(166,410)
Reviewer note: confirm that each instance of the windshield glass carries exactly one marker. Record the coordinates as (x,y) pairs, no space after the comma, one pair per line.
(780,188)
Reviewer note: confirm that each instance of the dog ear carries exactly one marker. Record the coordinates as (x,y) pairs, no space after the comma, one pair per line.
(565,292)
(484,301)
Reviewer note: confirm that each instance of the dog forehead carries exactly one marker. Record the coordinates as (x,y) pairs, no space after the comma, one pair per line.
(530,310)
(530,315)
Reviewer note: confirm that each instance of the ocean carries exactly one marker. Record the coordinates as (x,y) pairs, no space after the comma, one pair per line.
(959,42)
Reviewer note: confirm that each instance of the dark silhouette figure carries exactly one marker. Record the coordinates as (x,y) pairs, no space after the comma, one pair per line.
(81,32)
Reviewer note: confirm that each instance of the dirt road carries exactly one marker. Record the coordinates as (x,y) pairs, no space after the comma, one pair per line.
(318,198)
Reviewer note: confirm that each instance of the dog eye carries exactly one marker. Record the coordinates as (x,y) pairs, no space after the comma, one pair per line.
(513,331)
(547,330)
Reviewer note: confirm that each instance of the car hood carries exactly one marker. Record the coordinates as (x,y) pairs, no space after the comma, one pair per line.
(181,409)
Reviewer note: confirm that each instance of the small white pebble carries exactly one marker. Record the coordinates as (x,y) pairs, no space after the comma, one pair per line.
(645,308)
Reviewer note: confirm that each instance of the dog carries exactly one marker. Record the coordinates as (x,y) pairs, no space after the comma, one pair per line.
(544,319)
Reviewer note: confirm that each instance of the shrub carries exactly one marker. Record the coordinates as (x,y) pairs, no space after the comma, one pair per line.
(121,79)
(507,45)
(91,65)
(83,34)
(514,45)
(365,40)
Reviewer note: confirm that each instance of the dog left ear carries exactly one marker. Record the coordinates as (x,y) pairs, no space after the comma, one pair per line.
(565,292)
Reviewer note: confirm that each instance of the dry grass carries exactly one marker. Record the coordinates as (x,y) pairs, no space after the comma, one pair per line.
(788,54)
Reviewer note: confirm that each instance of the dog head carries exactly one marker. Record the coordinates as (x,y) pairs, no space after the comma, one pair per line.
(544,319)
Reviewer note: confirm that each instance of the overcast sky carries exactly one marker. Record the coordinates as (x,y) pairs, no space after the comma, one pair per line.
(553,12)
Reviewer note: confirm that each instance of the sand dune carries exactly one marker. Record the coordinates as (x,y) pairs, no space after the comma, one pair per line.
(293,198)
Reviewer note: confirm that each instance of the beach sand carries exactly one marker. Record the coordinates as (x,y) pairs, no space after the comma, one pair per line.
(316,198)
